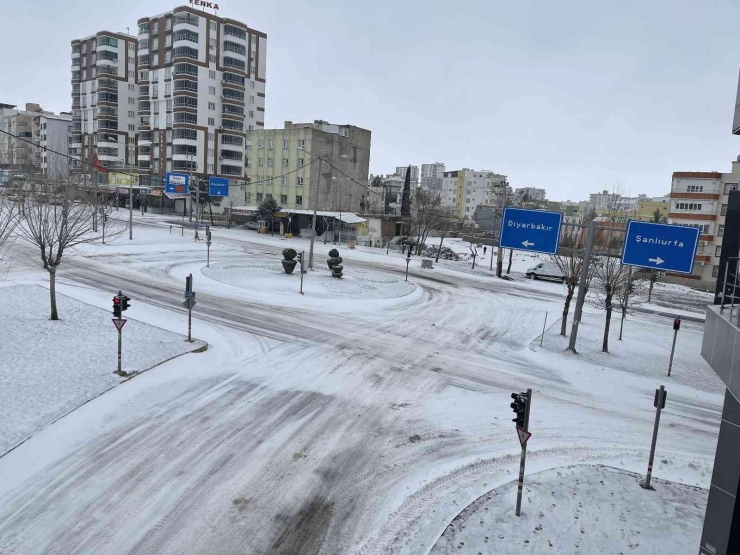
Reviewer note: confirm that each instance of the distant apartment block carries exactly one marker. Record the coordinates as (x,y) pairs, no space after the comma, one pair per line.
(401,170)
(699,199)
(463,190)
(40,143)
(431,176)
(283,164)
(531,193)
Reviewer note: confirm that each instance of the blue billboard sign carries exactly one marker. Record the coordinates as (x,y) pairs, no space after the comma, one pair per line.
(531,230)
(177,183)
(661,246)
(218,186)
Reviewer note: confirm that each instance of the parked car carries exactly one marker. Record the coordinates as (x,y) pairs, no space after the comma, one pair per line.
(252,225)
(546,270)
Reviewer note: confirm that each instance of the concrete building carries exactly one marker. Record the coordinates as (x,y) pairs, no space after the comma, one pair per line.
(463,190)
(401,170)
(431,176)
(699,199)
(178,97)
(647,207)
(43,130)
(532,193)
(104,99)
(603,201)
(284,163)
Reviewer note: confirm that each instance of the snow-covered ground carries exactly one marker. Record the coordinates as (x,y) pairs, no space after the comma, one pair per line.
(580,510)
(332,426)
(50,368)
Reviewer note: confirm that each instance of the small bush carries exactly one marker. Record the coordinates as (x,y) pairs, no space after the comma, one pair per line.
(289,254)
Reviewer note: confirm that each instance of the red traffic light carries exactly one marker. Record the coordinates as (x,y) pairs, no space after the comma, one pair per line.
(116,300)
(677,324)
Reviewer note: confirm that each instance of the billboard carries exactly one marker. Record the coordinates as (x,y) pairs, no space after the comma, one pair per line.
(177,183)
(122,179)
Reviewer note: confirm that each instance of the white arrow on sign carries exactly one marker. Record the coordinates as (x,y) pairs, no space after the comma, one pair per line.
(657,260)
(523,435)
(526,243)
(119,323)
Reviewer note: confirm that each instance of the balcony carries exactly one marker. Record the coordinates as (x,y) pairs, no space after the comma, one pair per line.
(183,22)
(108,70)
(143,92)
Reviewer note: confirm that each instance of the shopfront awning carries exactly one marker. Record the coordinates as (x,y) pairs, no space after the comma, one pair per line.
(176,196)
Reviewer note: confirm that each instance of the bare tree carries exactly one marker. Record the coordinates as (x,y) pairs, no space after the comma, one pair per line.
(57,216)
(9,218)
(425,216)
(625,292)
(444,226)
(569,261)
(609,273)
(508,268)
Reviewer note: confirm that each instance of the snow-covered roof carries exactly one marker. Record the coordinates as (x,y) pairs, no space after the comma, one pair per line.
(346,217)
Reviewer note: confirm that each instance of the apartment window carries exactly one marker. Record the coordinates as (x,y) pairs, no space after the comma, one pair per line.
(262,143)
(210,168)
(271,144)
(169,105)
(131,87)
(131,60)
(730,187)
(299,200)
(283,199)
(299,182)
(254,39)
(248,145)
(168,91)
(285,181)
(131,114)
(269,182)
(131,74)
(131,127)
(211,152)
(211,137)
(285,162)
(467,208)
(212,43)
(169,135)
(715,271)
(269,162)
(251,127)
(211,105)
(721,231)
(251,84)
(168,41)
(167,72)
(259,197)
(213,26)
(211,90)
(285,143)
(300,162)
(259,161)
(301,143)
(688,206)
(212,58)
(724,210)
(695,188)
(718,251)
(211,121)
(156,121)
(251,115)
(212,73)
(131,47)
(132,101)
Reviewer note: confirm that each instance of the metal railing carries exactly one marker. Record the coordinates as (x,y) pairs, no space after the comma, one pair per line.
(730,286)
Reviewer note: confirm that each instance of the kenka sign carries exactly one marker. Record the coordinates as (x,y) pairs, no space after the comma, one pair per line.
(204,5)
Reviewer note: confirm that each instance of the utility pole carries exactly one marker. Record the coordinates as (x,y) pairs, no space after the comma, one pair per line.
(313,220)
(658,403)
(676,327)
(499,251)
(582,285)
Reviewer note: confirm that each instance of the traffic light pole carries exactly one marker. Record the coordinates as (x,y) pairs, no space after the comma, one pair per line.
(120,342)
(676,327)
(520,485)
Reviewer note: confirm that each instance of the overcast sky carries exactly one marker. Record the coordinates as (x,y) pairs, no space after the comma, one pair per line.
(571,96)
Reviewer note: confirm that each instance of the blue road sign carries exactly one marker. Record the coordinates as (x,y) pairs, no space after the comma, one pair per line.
(177,183)
(531,230)
(661,246)
(189,294)
(218,186)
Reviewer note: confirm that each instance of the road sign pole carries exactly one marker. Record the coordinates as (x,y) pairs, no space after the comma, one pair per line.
(582,286)
(131,210)
(520,485)
(659,403)
(673,349)
(303,257)
(208,263)
(652,281)
(543,330)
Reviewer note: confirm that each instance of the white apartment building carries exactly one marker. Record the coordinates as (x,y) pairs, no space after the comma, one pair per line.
(532,193)
(104,99)
(699,199)
(465,189)
(178,97)
(401,170)
(431,176)
(52,133)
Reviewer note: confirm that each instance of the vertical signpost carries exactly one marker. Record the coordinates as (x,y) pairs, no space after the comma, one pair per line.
(676,327)
(189,303)
(659,404)
(120,304)
(520,406)
(208,244)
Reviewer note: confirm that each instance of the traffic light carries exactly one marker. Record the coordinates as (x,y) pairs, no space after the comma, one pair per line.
(117,307)
(677,324)
(124,303)
(189,283)
(519,406)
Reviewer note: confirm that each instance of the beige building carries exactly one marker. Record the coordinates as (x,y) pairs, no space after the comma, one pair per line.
(699,199)
(284,163)
(466,189)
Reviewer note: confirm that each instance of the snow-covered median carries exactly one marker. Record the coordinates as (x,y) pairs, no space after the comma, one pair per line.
(50,368)
(580,510)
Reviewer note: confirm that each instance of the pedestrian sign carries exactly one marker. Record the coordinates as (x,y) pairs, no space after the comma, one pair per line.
(661,246)
(523,434)
(530,230)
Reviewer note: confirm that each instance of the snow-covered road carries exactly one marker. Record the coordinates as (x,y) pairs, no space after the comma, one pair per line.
(316,428)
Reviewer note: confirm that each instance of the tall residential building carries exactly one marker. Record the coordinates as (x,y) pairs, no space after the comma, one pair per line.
(283,163)
(104,99)
(465,189)
(699,199)
(431,176)
(178,97)
(40,136)
(401,170)
(201,87)
(532,193)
